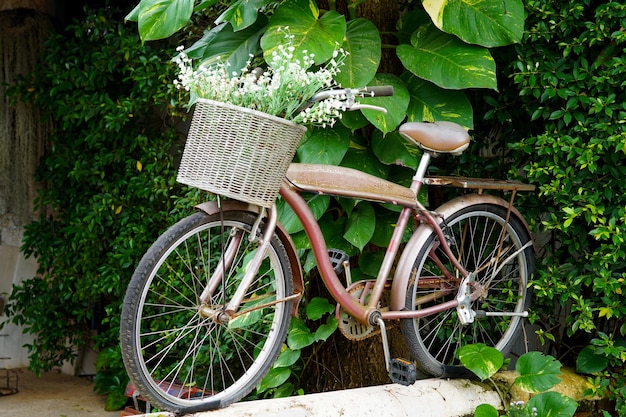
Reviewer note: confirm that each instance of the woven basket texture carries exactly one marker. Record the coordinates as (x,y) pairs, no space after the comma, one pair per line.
(238,152)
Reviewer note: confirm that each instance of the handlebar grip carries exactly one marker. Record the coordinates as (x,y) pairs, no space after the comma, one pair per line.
(379,90)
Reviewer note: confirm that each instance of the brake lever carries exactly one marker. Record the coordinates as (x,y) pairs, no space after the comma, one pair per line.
(368,107)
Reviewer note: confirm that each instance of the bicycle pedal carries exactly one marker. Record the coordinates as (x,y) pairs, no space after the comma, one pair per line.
(337,258)
(402,372)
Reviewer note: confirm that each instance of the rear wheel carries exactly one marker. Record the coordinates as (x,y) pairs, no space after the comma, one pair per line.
(185,356)
(486,245)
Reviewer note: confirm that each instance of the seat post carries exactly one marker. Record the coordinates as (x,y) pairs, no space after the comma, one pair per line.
(421,169)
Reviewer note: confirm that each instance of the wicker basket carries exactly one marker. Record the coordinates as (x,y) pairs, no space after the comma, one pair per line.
(238,152)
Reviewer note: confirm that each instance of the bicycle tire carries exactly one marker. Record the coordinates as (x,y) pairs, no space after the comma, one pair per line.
(433,340)
(181,360)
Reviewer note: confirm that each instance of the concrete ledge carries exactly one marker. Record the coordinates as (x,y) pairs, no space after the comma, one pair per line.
(425,398)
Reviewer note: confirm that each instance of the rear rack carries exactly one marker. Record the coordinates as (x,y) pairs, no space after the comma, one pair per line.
(479,184)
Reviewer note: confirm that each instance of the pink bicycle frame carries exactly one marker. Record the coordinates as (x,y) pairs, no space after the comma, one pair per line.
(355,184)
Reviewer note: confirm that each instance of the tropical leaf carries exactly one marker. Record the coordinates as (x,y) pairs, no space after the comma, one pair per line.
(482,360)
(274,378)
(325,146)
(488,23)
(312,33)
(360,226)
(327,329)
(396,105)
(430,103)
(317,307)
(393,149)
(299,335)
(485,410)
(538,373)
(241,14)
(158,19)
(552,404)
(222,44)
(318,205)
(447,61)
(363,45)
(589,362)
(287,358)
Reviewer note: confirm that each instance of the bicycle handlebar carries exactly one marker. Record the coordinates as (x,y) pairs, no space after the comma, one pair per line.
(351,93)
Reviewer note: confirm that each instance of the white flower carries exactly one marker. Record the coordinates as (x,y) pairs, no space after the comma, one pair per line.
(281,90)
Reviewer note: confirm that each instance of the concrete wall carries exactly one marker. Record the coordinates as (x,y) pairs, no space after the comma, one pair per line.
(22,143)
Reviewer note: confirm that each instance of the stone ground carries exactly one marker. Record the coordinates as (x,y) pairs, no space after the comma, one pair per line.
(53,395)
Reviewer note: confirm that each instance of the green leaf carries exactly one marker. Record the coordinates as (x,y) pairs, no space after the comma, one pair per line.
(361,225)
(363,45)
(274,378)
(325,146)
(482,360)
(241,14)
(317,307)
(430,103)
(221,44)
(589,362)
(160,19)
(365,161)
(447,61)
(485,410)
(299,335)
(393,149)
(287,358)
(396,105)
(552,404)
(318,205)
(538,373)
(311,33)
(326,330)
(488,23)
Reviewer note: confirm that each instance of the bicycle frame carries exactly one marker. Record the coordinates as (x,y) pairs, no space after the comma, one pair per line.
(355,184)
(350,183)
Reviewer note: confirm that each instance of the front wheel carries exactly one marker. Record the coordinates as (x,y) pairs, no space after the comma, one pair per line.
(488,246)
(183,355)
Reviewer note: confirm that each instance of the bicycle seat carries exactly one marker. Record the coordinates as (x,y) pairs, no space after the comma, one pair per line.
(438,137)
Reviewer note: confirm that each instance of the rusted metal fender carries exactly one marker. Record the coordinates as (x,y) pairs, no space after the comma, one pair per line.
(418,239)
(211,207)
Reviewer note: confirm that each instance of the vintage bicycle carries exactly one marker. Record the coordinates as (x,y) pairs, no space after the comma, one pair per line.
(208,308)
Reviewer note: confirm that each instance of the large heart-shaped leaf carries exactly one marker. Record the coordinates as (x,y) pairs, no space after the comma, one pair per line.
(241,14)
(589,361)
(430,103)
(318,205)
(361,224)
(274,378)
(325,146)
(488,23)
(363,45)
(222,44)
(447,61)
(552,404)
(482,360)
(394,149)
(311,33)
(396,105)
(538,373)
(158,19)
(299,335)
(327,329)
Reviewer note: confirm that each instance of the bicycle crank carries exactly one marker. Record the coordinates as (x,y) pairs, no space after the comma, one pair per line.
(351,328)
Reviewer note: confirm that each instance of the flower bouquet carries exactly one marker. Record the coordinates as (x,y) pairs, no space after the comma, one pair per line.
(247,124)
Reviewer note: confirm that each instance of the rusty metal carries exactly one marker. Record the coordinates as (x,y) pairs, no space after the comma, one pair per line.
(479,184)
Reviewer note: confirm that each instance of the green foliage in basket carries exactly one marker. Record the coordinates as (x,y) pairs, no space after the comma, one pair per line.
(283,89)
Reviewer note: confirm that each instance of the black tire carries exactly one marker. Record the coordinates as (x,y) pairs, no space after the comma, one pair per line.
(182,358)
(473,234)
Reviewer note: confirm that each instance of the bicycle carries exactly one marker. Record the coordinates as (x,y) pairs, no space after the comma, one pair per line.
(208,307)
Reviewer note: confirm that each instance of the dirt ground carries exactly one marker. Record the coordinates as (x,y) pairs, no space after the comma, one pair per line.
(53,395)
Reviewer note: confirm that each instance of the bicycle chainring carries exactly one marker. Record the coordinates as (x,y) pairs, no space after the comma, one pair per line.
(350,327)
